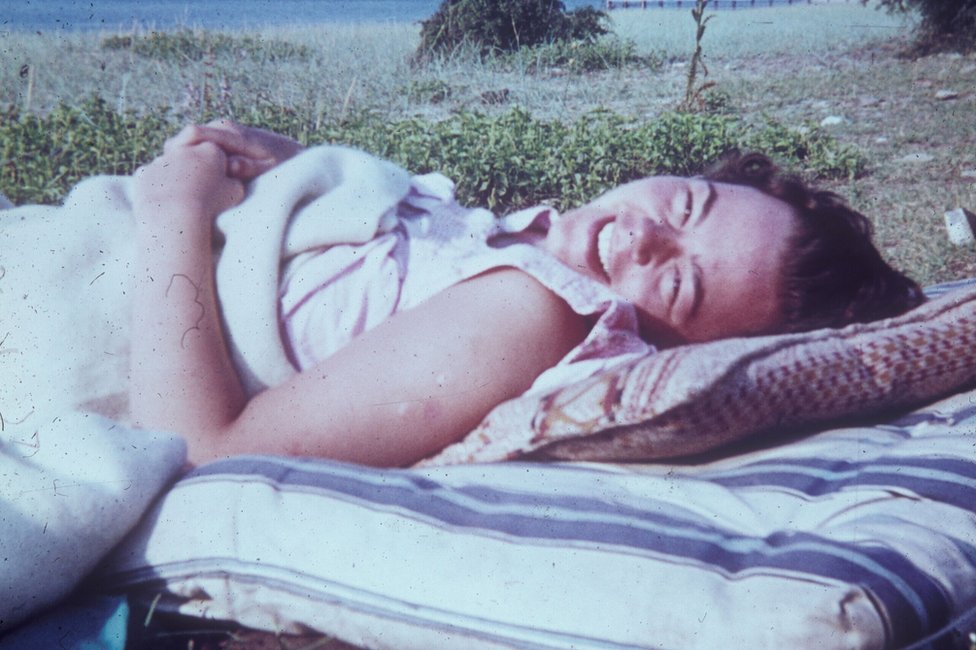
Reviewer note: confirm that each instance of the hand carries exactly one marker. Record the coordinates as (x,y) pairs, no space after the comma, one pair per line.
(251,151)
(187,182)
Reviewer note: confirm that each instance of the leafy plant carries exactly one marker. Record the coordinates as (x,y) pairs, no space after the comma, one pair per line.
(605,53)
(197,45)
(945,24)
(693,92)
(505,25)
(42,157)
(433,91)
(502,162)
(716,100)
(810,148)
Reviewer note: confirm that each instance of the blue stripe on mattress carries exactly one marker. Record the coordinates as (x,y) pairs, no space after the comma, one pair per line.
(910,600)
(945,480)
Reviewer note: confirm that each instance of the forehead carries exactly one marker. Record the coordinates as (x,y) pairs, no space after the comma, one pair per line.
(644,188)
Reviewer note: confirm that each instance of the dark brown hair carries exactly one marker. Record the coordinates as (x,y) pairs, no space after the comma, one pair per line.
(833,273)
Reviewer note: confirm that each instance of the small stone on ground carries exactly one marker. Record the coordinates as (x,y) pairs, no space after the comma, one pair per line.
(917,158)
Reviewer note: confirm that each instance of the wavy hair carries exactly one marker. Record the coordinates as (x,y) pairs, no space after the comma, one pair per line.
(833,273)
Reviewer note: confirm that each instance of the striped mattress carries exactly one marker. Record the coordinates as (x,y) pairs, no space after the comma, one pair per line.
(852,537)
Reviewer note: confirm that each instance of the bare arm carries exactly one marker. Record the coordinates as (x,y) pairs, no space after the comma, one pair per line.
(415,383)
(393,396)
(181,376)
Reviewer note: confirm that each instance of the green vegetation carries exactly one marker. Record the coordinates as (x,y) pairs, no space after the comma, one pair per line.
(506,25)
(605,53)
(504,161)
(537,35)
(43,156)
(694,92)
(197,45)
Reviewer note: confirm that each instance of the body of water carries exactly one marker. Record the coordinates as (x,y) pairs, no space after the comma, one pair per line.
(49,15)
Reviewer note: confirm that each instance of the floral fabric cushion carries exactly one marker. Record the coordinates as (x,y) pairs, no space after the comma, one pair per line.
(696,398)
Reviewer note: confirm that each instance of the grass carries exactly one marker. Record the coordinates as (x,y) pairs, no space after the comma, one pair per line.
(793,65)
(767,32)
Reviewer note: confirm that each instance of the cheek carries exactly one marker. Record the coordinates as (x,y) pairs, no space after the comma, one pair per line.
(562,236)
(640,289)
(637,286)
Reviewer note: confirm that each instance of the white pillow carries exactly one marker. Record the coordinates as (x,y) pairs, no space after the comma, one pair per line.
(67,496)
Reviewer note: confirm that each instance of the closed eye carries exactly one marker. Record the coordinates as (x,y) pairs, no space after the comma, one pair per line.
(689,204)
(675,286)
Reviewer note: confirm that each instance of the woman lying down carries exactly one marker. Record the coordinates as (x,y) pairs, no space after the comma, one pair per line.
(404,343)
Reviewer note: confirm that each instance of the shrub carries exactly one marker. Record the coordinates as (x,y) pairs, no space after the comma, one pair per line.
(808,147)
(505,25)
(945,24)
(502,162)
(605,53)
(197,45)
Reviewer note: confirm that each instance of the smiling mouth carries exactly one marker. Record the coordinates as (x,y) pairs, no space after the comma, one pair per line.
(603,240)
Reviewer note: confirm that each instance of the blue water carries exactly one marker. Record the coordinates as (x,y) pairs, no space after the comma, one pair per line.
(48,15)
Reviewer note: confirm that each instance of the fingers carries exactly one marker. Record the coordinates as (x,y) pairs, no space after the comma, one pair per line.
(229,139)
(194,142)
(247,157)
(188,135)
(245,169)
(226,125)
(256,142)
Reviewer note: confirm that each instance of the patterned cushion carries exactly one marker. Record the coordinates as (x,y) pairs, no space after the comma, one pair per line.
(696,398)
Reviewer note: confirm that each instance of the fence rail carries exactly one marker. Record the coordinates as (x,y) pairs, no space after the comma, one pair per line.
(713,4)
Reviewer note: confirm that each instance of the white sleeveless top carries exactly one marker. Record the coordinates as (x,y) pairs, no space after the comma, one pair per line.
(329,296)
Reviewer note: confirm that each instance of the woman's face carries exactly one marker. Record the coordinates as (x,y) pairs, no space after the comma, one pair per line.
(700,260)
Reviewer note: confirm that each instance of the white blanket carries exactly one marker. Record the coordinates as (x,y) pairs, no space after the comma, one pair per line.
(73,483)
(66,278)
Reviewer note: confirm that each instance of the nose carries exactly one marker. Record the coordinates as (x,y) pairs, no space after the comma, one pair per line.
(653,241)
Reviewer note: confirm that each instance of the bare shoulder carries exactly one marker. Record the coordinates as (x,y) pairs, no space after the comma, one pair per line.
(508,302)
